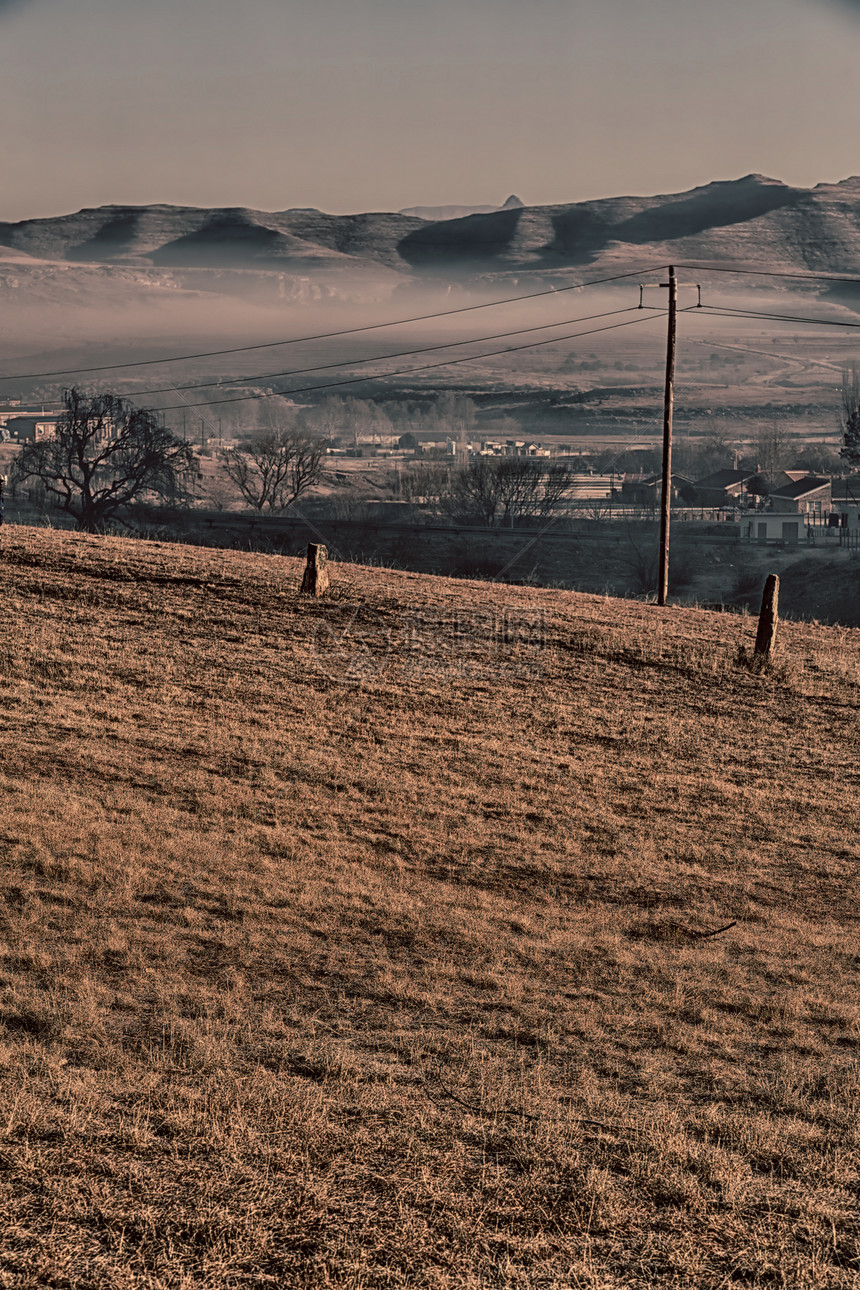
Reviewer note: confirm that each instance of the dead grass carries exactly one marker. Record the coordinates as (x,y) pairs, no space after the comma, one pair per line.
(363,943)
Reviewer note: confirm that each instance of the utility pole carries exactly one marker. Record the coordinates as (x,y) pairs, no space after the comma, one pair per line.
(668,402)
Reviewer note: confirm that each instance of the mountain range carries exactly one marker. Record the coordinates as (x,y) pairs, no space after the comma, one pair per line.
(754,219)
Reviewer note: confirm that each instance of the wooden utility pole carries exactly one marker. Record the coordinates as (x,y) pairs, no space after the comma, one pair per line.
(668,402)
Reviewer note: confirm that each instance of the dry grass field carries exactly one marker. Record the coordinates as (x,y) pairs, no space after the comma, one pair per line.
(435,934)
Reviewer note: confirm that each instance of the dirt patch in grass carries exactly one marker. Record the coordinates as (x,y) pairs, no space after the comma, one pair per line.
(432,934)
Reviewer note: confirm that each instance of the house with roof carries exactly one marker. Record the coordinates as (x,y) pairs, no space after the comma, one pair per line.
(647,490)
(784,478)
(773,526)
(792,512)
(723,488)
(810,496)
(34,427)
(423,441)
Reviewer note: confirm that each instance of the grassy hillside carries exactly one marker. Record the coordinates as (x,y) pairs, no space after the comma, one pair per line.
(378,941)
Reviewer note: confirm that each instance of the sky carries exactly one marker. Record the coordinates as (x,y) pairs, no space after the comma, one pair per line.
(371,105)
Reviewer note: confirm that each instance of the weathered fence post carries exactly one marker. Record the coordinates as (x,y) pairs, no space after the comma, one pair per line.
(768,619)
(316,580)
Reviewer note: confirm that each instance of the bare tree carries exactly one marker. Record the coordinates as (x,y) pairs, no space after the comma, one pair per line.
(506,491)
(597,508)
(773,450)
(818,459)
(273,469)
(326,419)
(701,457)
(474,494)
(103,455)
(557,483)
(425,484)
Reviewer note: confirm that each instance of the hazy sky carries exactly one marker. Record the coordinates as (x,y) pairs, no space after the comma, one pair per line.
(352,105)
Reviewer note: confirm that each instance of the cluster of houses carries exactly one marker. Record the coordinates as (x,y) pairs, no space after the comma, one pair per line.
(442,441)
(793,507)
(509,448)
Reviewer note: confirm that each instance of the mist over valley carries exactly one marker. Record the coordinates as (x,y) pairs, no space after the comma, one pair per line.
(132,284)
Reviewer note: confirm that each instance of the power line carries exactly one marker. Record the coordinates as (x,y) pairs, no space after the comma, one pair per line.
(768,273)
(330,335)
(728,311)
(424,367)
(379,358)
(444,313)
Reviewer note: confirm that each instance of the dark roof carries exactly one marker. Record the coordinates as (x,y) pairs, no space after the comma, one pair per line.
(725,478)
(811,484)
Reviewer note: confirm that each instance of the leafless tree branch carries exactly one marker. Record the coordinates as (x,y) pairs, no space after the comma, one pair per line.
(103,455)
(272,470)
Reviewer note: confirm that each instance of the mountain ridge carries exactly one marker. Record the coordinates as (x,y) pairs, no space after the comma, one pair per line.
(751,217)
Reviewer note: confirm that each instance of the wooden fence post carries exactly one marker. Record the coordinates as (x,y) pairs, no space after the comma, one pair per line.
(768,619)
(316,579)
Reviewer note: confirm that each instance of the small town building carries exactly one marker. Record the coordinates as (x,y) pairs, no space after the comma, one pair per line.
(31,427)
(801,511)
(773,526)
(421,441)
(785,478)
(647,490)
(809,495)
(510,448)
(723,488)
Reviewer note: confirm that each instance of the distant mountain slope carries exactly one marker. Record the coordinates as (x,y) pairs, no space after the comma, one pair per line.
(447,212)
(457,212)
(184,236)
(753,218)
(714,222)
